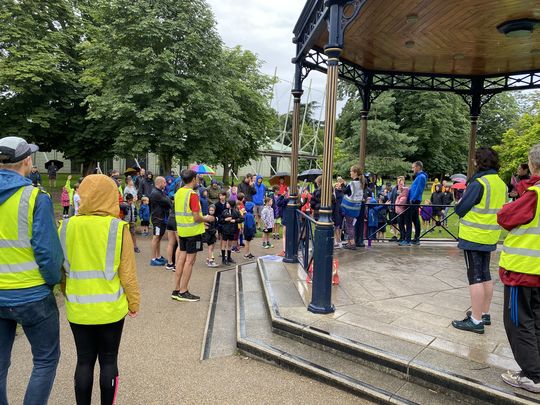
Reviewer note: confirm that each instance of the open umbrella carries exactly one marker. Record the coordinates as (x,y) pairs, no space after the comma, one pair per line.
(310,175)
(274,180)
(458,177)
(131,171)
(203,169)
(459,186)
(57,163)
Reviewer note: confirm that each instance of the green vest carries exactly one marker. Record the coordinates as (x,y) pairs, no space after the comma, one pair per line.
(521,249)
(480,224)
(185,223)
(18,267)
(92,248)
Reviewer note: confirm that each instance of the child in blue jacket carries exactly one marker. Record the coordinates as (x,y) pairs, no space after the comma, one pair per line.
(250,228)
(144,214)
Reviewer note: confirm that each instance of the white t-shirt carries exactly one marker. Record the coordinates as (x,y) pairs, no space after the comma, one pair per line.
(76,202)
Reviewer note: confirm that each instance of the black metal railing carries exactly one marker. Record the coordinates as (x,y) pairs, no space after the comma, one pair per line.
(392,218)
(306,227)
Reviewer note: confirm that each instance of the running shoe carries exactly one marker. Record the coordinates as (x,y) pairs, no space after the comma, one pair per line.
(468,325)
(250,256)
(185,297)
(137,250)
(518,380)
(170,267)
(157,262)
(211,263)
(486,318)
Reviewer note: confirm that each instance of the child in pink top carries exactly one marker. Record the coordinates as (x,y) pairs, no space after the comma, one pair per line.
(64,201)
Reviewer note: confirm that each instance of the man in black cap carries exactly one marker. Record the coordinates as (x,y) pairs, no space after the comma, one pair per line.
(30,265)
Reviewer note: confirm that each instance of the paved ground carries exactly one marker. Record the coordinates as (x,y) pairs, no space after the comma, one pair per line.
(403,300)
(159,356)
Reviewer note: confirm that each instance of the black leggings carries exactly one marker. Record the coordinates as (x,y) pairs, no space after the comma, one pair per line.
(66,210)
(97,342)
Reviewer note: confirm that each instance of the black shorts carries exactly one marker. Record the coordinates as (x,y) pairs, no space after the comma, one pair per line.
(171,223)
(158,228)
(249,236)
(209,238)
(145,223)
(477,263)
(227,236)
(192,244)
(268,230)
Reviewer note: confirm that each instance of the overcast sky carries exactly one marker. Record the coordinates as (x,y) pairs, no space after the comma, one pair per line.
(265,28)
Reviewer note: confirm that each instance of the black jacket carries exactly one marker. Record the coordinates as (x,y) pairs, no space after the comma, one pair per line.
(247,190)
(230,228)
(145,188)
(160,205)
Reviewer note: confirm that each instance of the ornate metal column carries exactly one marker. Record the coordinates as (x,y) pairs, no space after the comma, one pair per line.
(323,249)
(291,237)
(475,106)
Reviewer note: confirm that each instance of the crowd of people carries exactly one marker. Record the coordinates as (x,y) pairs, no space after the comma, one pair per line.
(100,221)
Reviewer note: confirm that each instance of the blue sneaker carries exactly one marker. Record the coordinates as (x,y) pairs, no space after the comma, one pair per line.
(157,262)
(162,259)
(404,243)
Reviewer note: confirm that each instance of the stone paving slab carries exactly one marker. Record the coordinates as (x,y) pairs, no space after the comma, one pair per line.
(404,299)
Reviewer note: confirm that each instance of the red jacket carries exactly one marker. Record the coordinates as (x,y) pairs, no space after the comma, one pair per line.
(519,212)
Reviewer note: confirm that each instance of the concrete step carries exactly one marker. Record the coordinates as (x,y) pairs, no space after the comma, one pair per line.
(256,337)
(220,333)
(411,360)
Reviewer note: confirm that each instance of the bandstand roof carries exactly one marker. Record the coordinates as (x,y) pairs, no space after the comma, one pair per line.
(411,44)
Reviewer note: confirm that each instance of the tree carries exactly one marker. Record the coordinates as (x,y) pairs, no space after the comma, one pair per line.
(149,68)
(241,120)
(496,118)
(386,146)
(440,124)
(517,142)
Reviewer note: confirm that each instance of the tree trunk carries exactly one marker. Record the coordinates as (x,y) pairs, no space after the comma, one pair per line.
(226,169)
(89,167)
(166,162)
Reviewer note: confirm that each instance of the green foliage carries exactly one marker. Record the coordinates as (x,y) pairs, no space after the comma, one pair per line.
(496,118)
(439,122)
(241,116)
(149,69)
(517,142)
(387,146)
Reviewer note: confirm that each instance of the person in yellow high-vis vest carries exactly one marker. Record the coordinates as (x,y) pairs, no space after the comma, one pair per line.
(190,228)
(479,234)
(30,265)
(101,285)
(519,270)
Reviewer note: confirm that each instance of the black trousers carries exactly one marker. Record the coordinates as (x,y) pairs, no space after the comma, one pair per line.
(413,218)
(359,227)
(404,226)
(97,342)
(522,307)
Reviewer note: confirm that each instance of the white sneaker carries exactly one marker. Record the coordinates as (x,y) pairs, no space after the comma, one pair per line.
(518,380)
(211,263)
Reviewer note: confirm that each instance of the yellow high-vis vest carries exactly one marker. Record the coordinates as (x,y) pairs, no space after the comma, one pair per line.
(18,267)
(521,249)
(480,224)
(185,223)
(92,249)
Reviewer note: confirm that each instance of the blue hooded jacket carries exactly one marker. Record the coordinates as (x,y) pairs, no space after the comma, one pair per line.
(250,228)
(204,202)
(45,242)
(417,187)
(258,198)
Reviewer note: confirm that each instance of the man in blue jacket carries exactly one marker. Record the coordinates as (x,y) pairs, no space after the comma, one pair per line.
(258,199)
(30,265)
(415,199)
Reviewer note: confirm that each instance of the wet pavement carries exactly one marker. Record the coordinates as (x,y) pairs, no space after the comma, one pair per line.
(403,300)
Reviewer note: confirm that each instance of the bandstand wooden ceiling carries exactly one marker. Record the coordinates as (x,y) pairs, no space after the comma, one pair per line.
(457,37)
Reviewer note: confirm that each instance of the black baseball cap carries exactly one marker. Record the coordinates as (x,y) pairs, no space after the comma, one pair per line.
(14,149)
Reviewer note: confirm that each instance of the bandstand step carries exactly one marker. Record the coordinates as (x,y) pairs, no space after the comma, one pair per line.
(256,337)
(220,334)
(418,371)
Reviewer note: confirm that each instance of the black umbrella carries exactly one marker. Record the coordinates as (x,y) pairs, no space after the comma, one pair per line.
(57,163)
(310,175)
